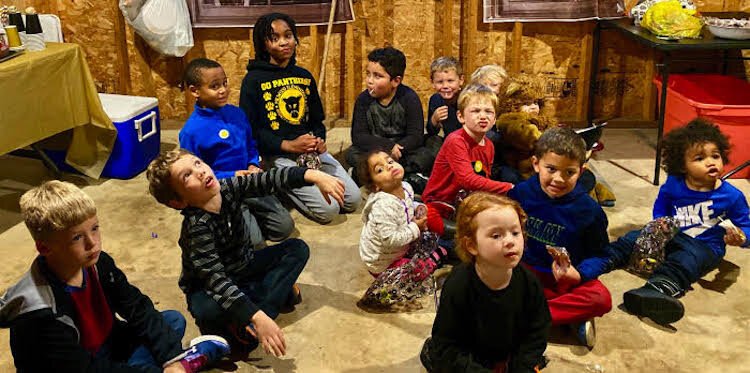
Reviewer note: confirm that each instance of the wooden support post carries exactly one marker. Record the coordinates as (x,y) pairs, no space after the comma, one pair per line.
(583,86)
(314,51)
(380,21)
(142,62)
(447,41)
(349,93)
(471,35)
(321,78)
(121,45)
(516,48)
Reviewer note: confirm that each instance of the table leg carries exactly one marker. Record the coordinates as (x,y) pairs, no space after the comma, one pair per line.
(593,74)
(662,112)
(47,161)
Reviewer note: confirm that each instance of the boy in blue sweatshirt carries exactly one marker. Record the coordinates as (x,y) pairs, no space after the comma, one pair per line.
(700,206)
(220,134)
(561,214)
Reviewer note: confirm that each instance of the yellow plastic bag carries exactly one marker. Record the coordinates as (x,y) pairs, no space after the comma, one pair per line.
(668,19)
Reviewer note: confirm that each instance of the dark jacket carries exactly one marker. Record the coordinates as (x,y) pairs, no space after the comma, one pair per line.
(45,338)
(375,126)
(282,103)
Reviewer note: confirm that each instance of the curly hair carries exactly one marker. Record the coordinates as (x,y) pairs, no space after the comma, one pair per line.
(697,132)
(466,224)
(159,175)
(363,169)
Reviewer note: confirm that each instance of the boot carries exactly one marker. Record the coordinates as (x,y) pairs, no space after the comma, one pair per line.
(657,300)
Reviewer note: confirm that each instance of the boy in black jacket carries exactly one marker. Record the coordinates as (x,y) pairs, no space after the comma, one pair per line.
(282,100)
(61,314)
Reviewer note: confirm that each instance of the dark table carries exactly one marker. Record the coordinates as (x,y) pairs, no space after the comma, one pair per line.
(626,27)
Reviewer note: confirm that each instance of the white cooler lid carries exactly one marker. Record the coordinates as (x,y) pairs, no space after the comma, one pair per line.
(121,108)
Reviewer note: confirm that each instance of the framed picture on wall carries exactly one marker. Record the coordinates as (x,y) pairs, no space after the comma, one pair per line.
(244,13)
(551,10)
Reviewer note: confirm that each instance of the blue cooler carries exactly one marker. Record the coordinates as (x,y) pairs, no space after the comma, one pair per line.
(138,137)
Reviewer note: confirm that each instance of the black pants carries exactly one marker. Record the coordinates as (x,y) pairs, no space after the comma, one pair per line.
(267,281)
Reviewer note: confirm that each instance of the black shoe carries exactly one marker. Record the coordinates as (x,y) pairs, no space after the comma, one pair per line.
(649,302)
(295,298)
(417,181)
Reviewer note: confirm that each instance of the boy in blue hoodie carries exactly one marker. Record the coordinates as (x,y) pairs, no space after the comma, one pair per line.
(220,134)
(281,99)
(561,214)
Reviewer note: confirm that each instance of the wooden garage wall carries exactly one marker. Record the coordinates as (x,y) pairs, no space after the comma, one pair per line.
(424,29)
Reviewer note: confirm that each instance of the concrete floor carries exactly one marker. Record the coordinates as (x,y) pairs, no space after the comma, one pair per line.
(328,333)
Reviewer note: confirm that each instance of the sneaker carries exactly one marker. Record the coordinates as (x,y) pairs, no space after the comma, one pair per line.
(586,334)
(648,302)
(295,298)
(203,351)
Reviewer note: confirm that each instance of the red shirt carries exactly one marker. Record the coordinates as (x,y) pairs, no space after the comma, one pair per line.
(93,315)
(462,163)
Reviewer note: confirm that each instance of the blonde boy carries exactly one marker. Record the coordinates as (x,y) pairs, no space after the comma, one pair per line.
(447,79)
(61,314)
(465,159)
(492,76)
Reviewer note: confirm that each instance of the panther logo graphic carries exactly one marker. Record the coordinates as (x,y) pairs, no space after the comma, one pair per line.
(291,104)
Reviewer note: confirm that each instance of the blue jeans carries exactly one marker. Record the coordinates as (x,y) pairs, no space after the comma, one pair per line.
(142,357)
(268,282)
(311,203)
(686,259)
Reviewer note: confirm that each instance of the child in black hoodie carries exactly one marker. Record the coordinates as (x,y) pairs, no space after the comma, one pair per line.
(281,99)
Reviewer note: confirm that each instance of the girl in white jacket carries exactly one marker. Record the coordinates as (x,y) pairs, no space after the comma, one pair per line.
(391,231)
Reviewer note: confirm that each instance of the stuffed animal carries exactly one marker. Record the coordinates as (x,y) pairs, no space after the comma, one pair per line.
(521,122)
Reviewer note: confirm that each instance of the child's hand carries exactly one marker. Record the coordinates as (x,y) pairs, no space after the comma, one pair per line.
(242,173)
(440,114)
(566,278)
(253,169)
(329,186)
(321,147)
(268,334)
(303,144)
(734,236)
(421,223)
(396,152)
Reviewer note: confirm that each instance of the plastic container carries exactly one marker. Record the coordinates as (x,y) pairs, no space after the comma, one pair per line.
(722,99)
(138,136)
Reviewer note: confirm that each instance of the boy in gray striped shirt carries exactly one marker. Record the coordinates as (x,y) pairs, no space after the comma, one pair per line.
(232,290)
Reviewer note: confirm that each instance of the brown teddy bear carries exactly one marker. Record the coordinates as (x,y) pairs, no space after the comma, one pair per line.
(522,122)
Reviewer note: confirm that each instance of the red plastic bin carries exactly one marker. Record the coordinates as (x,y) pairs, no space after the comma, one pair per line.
(722,99)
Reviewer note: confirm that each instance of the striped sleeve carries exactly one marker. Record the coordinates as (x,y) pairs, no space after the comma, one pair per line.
(208,267)
(268,182)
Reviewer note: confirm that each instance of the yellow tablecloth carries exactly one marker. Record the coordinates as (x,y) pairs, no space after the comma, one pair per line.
(48,92)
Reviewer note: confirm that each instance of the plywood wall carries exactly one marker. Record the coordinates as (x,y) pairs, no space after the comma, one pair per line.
(423,29)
